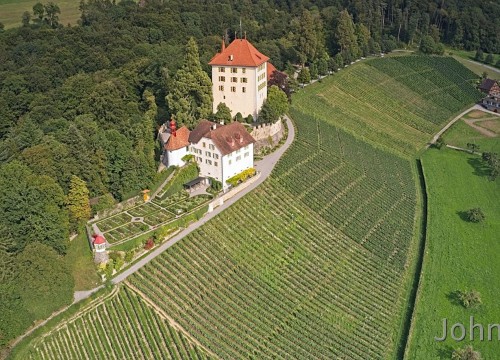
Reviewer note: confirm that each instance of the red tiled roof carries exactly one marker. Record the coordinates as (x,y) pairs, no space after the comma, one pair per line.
(98,239)
(231,137)
(201,129)
(239,53)
(270,70)
(178,141)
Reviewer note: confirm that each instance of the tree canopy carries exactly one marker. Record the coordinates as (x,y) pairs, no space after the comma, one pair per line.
(191,97)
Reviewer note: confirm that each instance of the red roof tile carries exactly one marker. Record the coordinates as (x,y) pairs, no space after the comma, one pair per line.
(231,137)
(178,141)
(200,130)
(270,70)
(239,53)
(99,239)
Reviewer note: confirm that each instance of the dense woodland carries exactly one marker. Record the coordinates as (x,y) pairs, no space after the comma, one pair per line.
(83,102)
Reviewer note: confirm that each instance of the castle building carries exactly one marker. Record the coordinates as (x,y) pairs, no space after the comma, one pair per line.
(239,78)
(221,151)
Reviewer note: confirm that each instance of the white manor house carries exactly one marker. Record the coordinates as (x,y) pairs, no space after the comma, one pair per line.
(239,79)
(221,151)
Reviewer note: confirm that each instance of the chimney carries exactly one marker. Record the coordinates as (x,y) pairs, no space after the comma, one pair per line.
(223,45)
(231,57)
(222,122)
(214,126)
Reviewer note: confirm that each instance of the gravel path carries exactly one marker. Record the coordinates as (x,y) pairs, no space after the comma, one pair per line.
(447,126)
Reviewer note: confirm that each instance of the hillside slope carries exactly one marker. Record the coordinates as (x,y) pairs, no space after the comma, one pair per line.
(397,102)
(314,263)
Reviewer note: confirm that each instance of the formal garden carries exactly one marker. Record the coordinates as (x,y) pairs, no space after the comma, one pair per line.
(171,203)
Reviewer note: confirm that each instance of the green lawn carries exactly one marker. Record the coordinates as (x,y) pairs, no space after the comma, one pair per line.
(461,133)
(463,56)
(11,11)
(80,259)
(459,255)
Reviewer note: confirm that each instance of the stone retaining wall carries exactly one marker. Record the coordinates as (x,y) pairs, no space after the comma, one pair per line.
(267,135)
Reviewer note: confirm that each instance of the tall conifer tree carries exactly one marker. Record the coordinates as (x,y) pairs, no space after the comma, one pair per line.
(191,97)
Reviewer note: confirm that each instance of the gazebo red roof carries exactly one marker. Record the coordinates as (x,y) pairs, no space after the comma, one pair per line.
(99,239)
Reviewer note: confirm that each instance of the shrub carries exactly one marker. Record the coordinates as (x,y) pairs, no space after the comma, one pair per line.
(475,215)
(479,55)
(160,234)
(242,176)
(129,256)
(249,119)
(238,117)
(215,185)
(108,271)
(489,59)
(467,353)
(188,158)
(439,143)
(115,255)
(149,244)
(469,299)
(118,263)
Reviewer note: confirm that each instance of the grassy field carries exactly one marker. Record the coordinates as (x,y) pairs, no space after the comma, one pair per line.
(464,56)
(80,260)
(460,255)
(11,11)
(396,102)
(462,133)
(317,261)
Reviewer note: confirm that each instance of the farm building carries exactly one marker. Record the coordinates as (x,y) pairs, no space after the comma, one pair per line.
(492,103)
(490,87)
(221,151)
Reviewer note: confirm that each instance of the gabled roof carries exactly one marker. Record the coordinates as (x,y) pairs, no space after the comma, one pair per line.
(487,84)
(229,138)
(239,53)
(179,140)
(201,129)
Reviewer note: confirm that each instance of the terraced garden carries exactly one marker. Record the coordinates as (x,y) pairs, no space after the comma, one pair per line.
(135,221)
(123,326)
(316,262)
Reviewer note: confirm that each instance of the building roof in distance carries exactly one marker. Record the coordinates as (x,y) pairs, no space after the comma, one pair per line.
(239,53)
(231,137)
(270,69)
(179,140)
(487,84)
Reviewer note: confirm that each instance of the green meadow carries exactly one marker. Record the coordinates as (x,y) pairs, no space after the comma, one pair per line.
(11,11)
(459,255)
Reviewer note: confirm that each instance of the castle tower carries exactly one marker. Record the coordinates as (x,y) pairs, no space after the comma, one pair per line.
(239,78)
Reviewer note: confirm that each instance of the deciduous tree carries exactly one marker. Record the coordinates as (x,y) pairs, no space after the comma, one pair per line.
(223,113)
(275,105)
(78,201)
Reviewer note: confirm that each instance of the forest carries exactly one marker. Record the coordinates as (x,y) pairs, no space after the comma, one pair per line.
(85,101)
